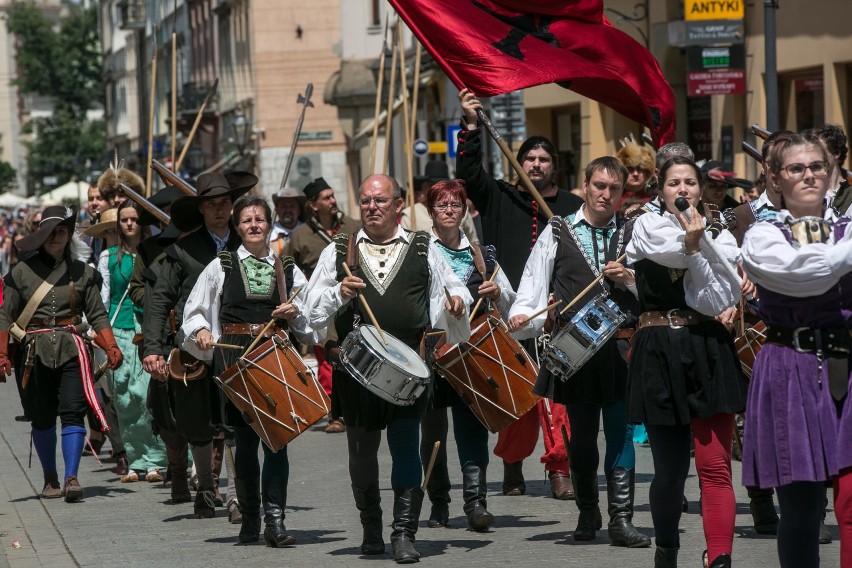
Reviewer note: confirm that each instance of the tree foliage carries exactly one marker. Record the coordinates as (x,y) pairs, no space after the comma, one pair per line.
(8,177)
(63,63)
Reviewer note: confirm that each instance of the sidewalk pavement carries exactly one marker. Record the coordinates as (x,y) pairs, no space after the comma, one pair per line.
(133,525)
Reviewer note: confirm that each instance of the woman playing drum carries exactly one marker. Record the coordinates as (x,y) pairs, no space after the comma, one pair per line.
(684,379)
(233,299)
(799,419)
(446,201)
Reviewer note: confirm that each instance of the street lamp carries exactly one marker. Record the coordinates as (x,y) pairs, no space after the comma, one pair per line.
(242,130)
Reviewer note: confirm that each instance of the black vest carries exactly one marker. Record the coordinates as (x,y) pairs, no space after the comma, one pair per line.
(238,306)
(403,310)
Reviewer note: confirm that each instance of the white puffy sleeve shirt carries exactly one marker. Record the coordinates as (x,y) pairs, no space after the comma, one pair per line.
(324,299)
(707,286)
(797,271)
(205,301)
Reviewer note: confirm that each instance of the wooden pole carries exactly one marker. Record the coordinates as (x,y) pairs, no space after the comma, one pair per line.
(389,118)
(379,86)
(195,125)
(151,104)
(174,98)
(406,128)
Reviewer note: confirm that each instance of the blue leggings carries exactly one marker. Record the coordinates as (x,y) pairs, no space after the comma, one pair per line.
(404,444)
(246,462)
(583,445)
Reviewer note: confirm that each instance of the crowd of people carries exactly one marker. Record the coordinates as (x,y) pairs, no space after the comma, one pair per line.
(126,317)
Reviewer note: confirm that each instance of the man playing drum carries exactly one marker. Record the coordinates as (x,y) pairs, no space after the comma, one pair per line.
(230,303)
(571,252)
(408,285)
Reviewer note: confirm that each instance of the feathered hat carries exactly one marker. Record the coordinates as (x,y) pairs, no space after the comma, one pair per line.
(116,174)
(632,155)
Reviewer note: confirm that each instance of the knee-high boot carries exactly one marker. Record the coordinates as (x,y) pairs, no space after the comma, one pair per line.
(475,491)
(406,515)
(438,490)
(218,457)
(586,497)
(176,454)
(762,509)
(205,505)
(248,496)
(620,483)
(274,502)
(369,504)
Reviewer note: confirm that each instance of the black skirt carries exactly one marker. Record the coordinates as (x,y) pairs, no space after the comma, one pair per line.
(602,380)
(676,375)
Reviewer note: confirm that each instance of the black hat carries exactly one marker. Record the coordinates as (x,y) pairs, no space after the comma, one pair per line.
(51,217)
(435,171)
(716,171)
(315,187)
(185,214)
(168,235)
(166,196)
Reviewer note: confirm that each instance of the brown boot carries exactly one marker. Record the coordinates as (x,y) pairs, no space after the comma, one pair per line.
(73,491)
(218,458)
(176,454)
(513,478)
(560,486)
(52,489)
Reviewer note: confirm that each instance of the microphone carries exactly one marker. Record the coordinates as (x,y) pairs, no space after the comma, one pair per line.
(683,206)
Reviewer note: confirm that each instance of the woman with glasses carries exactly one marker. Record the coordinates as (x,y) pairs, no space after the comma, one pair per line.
(798,432)
(474,265)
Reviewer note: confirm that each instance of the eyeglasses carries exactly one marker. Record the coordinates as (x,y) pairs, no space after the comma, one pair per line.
(795,171)
(381,202)
(455,206)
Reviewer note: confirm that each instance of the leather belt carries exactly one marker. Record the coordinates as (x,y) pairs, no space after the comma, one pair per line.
(810,340)
(625,333)
(39,323)
(674,319)
(252,329)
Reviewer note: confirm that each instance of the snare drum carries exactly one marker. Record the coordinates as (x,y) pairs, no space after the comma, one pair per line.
(491,372)
(392,371)
(276,392)
(748,346)
(587,331)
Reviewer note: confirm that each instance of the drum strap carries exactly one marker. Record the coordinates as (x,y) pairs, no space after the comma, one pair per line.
(352,256)
(282,282)
(479,261)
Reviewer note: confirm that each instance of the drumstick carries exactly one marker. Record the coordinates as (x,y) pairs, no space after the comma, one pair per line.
(541,311)
(293,295)
(259,336)
(366,307)
(429,467)
(589,287)
(436,333)
(479,301)
(224,345)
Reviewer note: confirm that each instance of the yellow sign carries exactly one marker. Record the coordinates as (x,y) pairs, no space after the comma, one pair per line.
(713,9)
(437,147)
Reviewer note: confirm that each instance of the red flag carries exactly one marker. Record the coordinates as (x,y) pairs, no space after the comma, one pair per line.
(497,46)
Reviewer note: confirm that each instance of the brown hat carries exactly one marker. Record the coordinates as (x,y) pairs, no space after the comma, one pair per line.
(108,183)
(106,221)
(288,193)
(184,212)
(632,155)
(51,217)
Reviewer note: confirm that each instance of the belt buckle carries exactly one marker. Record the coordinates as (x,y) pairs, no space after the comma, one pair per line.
(255,329)
(50,322)
(669,319)
(796,345)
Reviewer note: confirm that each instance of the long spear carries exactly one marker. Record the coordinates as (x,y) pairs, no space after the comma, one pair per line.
(151,118)
(195,124)
(379,86)
(409,141)
(389,118)
(305,102)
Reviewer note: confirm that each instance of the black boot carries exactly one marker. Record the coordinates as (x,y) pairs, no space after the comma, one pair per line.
(369,504)
(762,510)
(274,501)
(586,497)
(665,557)
(721,561)
(248,497)
(406,515)
(824,533)
(619,490)
(438,489)
(475,491)
(513,478)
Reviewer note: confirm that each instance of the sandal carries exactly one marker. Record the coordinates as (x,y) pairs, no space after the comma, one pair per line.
(153,476)
(335,426)
(130,477)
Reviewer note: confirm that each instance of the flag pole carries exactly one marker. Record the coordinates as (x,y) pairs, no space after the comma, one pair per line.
(151,104)
(525,179)
(379,86)
(409,141)
(174,97)
(389,118)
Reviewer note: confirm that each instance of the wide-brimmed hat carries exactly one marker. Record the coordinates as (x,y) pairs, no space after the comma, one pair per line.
(716,171)
(168,235)
(315,187)
(51,217)
(288,193)
(162,199)
(106,221)
(433,172)
(185,214)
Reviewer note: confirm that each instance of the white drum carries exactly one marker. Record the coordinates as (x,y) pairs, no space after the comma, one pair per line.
(392,371)
(587,331)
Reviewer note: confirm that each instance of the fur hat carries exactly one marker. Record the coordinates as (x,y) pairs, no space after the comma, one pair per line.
(109,180)
(632,155)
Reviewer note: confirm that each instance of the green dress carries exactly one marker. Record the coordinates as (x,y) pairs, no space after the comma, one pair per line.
(145,451)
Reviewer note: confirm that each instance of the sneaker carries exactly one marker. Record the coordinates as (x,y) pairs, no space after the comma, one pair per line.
(73,491)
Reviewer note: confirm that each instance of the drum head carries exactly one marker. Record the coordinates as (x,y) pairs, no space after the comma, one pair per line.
(395,352)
